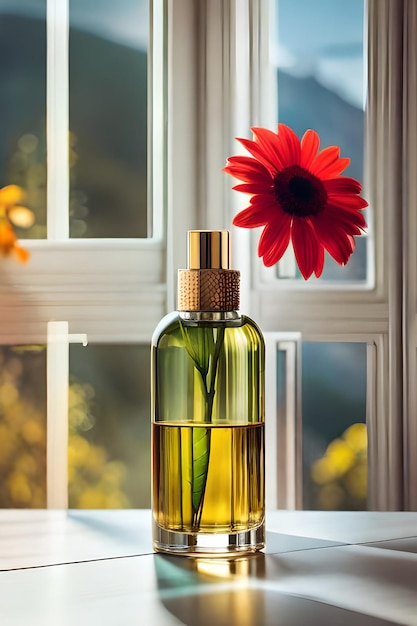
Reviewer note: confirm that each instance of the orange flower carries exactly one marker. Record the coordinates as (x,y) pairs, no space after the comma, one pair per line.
(298,195)
(8,242)
(11,212)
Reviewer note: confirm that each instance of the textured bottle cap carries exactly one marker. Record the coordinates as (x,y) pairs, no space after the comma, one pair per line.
(208,284)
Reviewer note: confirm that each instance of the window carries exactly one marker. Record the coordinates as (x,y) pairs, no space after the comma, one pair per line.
(82,145)
(105,247)
(362,314)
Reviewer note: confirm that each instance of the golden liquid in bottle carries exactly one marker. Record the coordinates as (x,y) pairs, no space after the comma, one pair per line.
(223,493)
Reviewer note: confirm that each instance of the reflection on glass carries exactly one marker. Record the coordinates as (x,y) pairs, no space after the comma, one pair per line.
(23,128)
(318,50)
(109,427)
(23,426)
(334,430)
(108,118)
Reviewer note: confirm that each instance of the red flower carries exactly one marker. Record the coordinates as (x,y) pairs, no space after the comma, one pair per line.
(298,195)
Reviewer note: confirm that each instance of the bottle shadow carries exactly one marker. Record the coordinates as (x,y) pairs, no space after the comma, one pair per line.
(205,591)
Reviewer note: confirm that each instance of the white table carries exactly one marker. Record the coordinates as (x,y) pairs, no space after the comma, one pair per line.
(81,568)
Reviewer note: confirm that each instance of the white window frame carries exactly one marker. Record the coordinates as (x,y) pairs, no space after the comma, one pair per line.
(215,87)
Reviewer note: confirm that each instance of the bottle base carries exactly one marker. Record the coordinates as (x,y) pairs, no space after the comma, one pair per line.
(208,544)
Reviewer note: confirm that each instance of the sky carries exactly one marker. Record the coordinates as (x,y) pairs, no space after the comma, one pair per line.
(323,38)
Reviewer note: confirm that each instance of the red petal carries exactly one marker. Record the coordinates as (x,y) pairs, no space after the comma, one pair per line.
(348,201)
(254,216)
(342,184)
(275,236)
(290,145)
(306,247)
(345,216)
(256,150)
(335,169)
(276,251)
(320,262)
(247,169)
(328,164)
(247,161)
(269,142)
(264,199)
(310,144)
(338,243)
(254,188)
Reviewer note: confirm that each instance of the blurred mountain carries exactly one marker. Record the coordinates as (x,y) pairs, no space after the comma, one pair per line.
(305,103)
(22,83)
(108,117)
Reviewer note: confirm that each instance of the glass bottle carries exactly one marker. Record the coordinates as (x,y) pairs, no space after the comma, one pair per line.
(208,494)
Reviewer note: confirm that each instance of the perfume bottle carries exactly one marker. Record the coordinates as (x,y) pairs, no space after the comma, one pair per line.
(208,495)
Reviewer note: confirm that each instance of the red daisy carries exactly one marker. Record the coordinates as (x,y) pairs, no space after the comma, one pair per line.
(299,196)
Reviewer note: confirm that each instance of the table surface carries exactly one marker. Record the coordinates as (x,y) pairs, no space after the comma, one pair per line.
(65,568)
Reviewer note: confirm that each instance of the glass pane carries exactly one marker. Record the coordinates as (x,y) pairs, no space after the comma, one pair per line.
(108,118)
(109,427)
(23,426)
(23,127)
(319,53)
(334,430)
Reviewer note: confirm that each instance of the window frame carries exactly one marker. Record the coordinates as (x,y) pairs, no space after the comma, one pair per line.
(213,85)
(409,433)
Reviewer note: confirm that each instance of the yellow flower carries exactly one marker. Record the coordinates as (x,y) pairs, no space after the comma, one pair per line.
(12,212)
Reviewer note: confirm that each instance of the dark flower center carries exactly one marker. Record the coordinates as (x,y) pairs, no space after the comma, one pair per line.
(299,192)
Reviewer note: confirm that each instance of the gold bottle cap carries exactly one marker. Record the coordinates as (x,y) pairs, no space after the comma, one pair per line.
(208,284)
(208,249)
